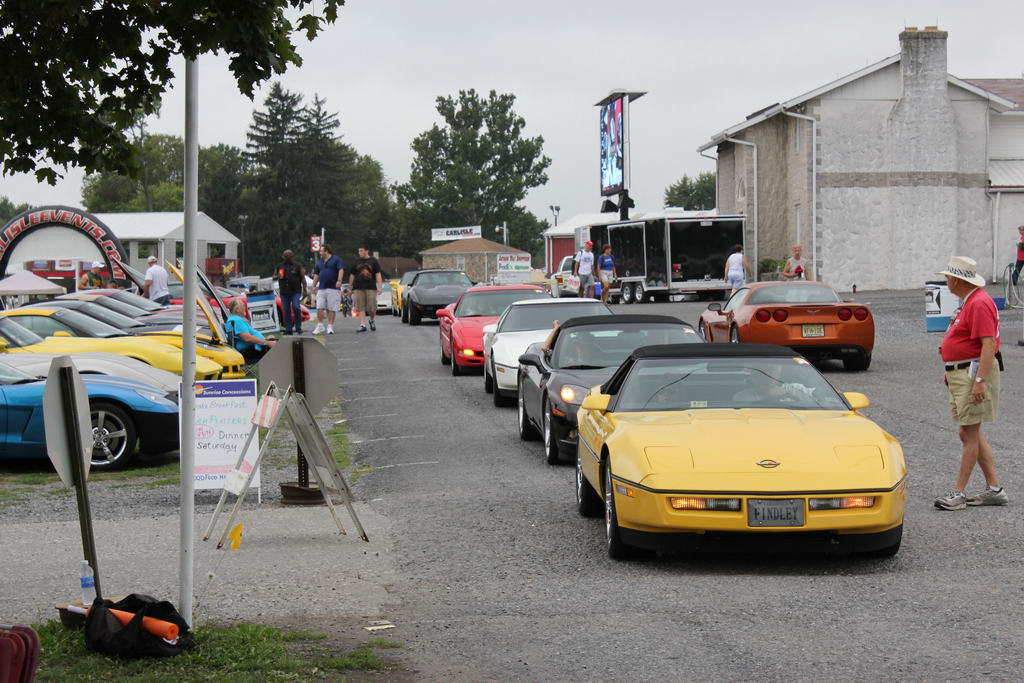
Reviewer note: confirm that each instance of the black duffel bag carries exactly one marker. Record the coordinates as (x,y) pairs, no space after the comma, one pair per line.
(105,634)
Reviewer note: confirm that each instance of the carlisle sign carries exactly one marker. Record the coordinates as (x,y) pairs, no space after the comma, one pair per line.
(445,234)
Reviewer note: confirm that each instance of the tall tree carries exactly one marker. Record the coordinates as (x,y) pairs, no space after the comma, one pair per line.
(475,168)
(161,159)
(222,173)
(695,194)
(79,74)
(9,209)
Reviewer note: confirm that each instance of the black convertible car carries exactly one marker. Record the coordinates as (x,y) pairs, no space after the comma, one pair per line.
(585,353)
(430,291)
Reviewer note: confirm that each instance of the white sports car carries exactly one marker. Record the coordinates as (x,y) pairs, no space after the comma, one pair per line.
(98,363)
(524,323)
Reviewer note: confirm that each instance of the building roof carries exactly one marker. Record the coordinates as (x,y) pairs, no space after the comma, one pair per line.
(1006,172)
(474,245)
(583,220)
(1008,88)
(996,101)
(160,225)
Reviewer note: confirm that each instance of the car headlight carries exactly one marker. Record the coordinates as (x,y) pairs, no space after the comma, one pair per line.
(154,396)
(572,394)
(468,352)
(847,503)
(694,503)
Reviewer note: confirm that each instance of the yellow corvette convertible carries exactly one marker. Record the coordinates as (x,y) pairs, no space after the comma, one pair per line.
(398,289)
(15,338)
(710,446)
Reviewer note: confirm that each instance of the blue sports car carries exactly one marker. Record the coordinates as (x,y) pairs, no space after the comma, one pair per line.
(127,417)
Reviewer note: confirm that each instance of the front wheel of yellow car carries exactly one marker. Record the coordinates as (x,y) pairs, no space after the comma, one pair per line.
(588,503)
(617,550)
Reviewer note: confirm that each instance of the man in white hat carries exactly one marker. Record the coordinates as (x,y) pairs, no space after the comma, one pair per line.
(91,278)
(970,352)
(155,286)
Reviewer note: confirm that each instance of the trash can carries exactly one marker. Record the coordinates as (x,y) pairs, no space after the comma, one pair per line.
(939,306)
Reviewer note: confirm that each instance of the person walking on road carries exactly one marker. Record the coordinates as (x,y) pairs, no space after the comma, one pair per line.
(155,287)
(91,279)
(291,283)
(583,268)
(366,282)
(246,339)
(1020,255)
(970,352)
(795,268)
(736,268)
(606,271)
(327,277)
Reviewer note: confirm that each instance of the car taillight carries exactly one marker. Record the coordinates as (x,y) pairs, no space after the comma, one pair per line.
(780,315)
(844,313)
(763,316)
(860,313)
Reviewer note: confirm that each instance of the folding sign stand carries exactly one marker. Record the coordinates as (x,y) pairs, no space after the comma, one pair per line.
(324,468)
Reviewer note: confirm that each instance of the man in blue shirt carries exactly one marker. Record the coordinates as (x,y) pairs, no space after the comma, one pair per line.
(247,340)
(327,279)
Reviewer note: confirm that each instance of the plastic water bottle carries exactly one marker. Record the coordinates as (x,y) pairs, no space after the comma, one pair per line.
(88,585)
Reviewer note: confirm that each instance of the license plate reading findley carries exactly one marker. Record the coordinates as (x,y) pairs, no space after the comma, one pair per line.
(775,512)
(814,330)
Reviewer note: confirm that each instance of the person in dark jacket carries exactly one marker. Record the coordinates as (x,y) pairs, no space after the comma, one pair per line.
(291,282)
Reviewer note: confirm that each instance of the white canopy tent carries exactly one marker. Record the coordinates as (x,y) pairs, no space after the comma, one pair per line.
(24,283)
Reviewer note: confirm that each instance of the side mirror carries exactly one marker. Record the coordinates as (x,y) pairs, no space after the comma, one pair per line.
(598,402)
(528,358)
(3,345)
(444,312)
(856,400)
(61,333)
(714,306)
(490,329)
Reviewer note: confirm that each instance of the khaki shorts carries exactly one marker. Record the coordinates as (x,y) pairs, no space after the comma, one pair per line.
(606,276)
(964,412)
(365,300)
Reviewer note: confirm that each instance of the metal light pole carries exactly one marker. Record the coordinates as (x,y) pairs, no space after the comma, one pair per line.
(555,209)
(187,405)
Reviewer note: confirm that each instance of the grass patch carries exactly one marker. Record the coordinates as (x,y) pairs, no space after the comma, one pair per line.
(382,644)
(30,478)
(168,481)
(12,496)
(243,652)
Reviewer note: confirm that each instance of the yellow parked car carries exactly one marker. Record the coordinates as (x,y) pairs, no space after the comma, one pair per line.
(398,288)
(15,338)
(703,446)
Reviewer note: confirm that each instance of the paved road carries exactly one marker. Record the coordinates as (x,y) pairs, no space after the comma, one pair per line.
(497,578)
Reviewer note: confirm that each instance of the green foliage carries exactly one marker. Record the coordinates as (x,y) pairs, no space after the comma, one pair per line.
(79,75)
(692,194)
(771,265)
(473,170)
(9,209)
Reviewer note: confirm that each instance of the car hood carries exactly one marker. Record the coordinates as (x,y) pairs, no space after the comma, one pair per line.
(442,294)
(508,346)
(470,331)
(719,450)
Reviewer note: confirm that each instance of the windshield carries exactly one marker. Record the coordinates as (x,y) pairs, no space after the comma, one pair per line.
(597,346)
(668,384)
(107,315)
(541,317)
(475,304)
(136,300)
(12,375)
(15,335)
(408,277)
(176,289)
(794,294)
(439,279)
(119,306)
(84,325)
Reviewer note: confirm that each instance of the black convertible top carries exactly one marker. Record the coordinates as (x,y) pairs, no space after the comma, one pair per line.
(713,351)
(622,319)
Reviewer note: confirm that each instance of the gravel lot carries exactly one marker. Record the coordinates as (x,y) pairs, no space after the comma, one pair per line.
(479,558)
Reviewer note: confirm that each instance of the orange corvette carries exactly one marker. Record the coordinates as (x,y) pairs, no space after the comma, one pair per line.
(806,316)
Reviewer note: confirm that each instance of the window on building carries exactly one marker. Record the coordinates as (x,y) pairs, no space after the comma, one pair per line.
(179,249)
(741,189)
(797,134)
(215,250)
(148,248)
(799,221)
(460,263)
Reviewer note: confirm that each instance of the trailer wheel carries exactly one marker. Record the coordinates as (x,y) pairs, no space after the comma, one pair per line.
(627,293)
(638,293)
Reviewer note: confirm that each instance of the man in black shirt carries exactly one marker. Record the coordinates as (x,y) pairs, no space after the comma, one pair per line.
(366,281)
(291,282)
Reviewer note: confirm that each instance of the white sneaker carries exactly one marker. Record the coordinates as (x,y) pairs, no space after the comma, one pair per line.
(330,329)
(319,329)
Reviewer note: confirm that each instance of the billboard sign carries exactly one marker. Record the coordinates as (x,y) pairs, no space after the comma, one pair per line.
(514,263)
(614,162)
(464,233)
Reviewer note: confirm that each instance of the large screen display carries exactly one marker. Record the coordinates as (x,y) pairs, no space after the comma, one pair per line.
(613,146)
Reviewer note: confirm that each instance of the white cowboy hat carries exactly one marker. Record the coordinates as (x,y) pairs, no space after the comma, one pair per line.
(965,269)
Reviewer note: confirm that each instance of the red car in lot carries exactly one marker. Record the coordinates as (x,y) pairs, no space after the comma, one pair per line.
(461,323)
(809,317)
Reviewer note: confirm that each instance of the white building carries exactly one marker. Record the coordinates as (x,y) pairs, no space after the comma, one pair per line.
(883,174)
(160,233)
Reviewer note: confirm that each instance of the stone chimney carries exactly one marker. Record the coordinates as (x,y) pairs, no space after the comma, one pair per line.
(923,63)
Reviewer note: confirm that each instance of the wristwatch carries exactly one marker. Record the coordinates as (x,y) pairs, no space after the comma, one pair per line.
(979,380)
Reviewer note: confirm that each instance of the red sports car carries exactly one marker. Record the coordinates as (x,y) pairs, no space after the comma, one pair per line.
(462,323)
(806,316)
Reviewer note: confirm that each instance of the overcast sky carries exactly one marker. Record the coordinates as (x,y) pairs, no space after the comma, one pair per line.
(385,61)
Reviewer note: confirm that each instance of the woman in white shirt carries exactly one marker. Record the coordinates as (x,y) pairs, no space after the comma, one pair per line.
(736,268)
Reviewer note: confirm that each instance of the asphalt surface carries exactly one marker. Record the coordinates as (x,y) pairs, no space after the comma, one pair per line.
(498,578)
(480,560)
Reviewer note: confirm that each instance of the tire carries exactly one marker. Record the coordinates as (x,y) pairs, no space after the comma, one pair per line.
(114,437)
(705,332)
(527,432)
(626,293)
(457,369)
(857,363)
(638,293)
(445,360)
(488,381)
(889,550)
(405,313)
(551,455)
(414,315)
(500,400)
(588,503)
(734,335)
(617,550)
